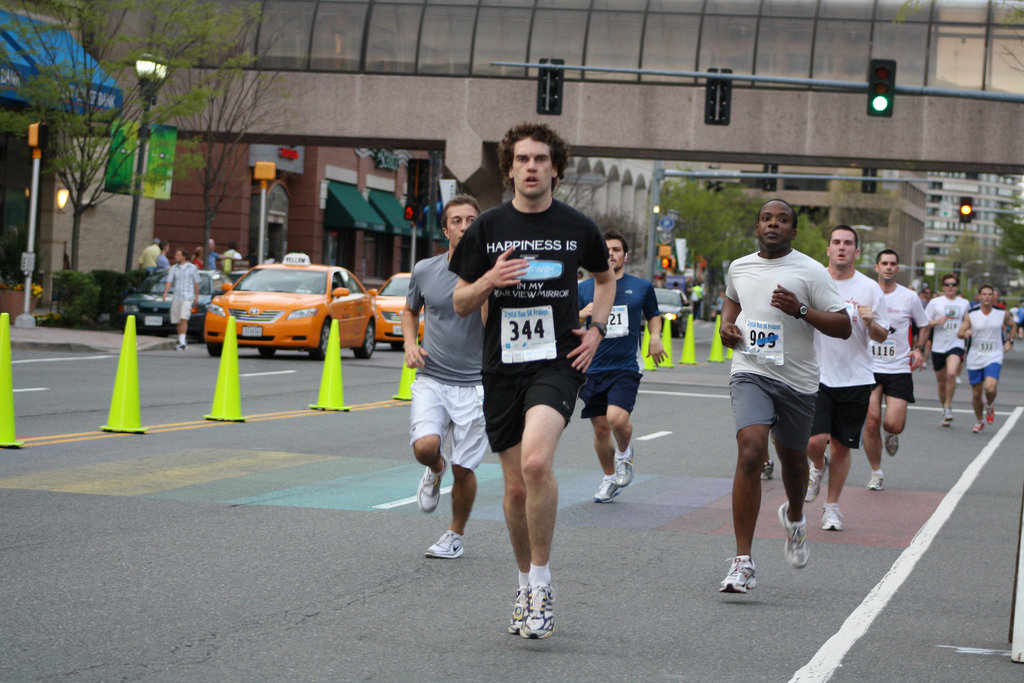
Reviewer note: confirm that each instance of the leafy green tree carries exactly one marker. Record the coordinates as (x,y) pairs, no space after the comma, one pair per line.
(114,33)
(1011,244)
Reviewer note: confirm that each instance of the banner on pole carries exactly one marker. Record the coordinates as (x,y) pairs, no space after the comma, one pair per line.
(120,162)
(160,162)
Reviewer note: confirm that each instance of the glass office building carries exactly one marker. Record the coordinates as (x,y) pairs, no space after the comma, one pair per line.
(965,44)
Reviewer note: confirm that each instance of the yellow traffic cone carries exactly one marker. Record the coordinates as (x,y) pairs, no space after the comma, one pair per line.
(666,341)
(332,391)
(7,432)
(728,353)
(716,343)
(405,384)
(645,350)
(689,356)
(227,399)
(124,404)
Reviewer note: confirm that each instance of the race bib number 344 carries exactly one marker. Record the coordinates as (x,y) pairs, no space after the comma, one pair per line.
(527,334)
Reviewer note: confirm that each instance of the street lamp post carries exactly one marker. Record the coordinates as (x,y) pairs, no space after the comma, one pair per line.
(151,75)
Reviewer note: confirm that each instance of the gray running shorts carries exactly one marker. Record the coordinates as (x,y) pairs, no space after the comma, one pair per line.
(760,400)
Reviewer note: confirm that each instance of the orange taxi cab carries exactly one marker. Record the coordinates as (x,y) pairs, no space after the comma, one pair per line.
(390,302)
(290,306)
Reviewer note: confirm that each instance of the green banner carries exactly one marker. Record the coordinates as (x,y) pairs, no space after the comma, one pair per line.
(123,143)
(160,162)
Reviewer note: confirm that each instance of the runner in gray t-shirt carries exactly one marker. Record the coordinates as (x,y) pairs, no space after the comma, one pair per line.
(447,394)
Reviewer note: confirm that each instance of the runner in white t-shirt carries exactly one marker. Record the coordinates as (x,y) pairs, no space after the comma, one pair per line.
(985,359)
(775,302)
(894,361)
(945,314)
(847,374)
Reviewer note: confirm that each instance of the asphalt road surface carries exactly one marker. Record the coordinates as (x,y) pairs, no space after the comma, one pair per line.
(290,547)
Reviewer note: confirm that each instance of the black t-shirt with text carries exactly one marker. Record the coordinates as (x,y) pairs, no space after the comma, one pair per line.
(556,242)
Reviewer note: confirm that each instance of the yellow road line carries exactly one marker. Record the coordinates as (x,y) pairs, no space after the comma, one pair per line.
(158,473)
(199,424)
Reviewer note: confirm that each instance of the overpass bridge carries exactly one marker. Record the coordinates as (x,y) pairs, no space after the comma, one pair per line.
(466,117)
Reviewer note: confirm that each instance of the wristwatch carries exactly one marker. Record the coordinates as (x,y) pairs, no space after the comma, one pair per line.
(802,312)
(600,327)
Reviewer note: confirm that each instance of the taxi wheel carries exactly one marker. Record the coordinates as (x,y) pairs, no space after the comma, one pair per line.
(214,349)
(369,342)
(320,352)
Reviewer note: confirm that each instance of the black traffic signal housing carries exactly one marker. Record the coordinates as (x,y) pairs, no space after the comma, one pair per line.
(869,185)
(770,184)
(417,184)
(966,210)
(38,135)
(717,97)
(550,82)
(881,87)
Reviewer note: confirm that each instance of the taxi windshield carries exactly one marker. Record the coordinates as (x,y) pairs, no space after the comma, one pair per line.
(396,286)
(282,280)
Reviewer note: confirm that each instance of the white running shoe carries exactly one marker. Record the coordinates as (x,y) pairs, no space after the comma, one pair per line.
(798,550)
(608,490)
(741,576)
(875,483)
(814,481)
(831,518)
(519,610)
(429,492)
(892,443)
(624,468)
(448,547)
(947,417)
(540,622)
(767,470)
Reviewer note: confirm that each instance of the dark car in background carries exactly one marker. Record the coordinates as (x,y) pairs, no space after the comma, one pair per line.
(674,309)
(153,315)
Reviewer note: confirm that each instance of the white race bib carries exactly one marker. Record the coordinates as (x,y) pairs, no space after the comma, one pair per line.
(764,341)
(883,351)
(618,322)
(527,334)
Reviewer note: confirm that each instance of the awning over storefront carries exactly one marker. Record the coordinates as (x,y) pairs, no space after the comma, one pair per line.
(27,47)
(394,213)
(346,208)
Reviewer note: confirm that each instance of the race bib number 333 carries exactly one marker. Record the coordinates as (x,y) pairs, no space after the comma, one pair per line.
(527,334)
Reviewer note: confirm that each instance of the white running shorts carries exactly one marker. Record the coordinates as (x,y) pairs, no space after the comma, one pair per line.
(448,410)
(181,309)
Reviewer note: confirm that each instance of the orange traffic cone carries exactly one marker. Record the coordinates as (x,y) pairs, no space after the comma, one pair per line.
(124,404)
(332,390)
(227,399)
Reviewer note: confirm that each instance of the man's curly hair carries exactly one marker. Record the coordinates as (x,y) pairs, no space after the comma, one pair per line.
(541,132)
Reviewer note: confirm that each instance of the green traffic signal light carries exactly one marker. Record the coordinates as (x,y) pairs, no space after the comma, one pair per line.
(881,87)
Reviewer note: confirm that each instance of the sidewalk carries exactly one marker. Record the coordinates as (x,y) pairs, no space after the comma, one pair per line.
(66,339)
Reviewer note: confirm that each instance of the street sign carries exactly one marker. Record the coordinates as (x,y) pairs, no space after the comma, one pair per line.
(667,223)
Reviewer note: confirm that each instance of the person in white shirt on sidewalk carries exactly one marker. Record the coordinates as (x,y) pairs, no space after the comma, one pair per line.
(183,278)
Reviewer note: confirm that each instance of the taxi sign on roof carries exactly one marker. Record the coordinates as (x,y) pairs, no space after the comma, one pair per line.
(296,258)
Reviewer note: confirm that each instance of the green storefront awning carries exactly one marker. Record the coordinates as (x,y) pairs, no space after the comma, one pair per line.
(346,208)
(394,213)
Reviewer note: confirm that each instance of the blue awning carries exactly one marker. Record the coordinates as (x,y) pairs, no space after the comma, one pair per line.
(28,47)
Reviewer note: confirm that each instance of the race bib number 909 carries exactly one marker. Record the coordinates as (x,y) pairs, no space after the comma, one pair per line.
(764,341)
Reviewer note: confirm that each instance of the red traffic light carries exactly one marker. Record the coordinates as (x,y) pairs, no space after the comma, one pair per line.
(409,213)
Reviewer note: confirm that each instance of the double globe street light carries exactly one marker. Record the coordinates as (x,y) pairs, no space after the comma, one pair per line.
(151,74)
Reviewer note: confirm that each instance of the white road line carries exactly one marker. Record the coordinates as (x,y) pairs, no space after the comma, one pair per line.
(405,501)
(681,393)
(33,389)
(655,435)
(830,656)
(265,374)
(59,360)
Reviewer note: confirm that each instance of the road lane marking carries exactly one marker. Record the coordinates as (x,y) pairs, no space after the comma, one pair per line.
(405,501)
(153,474)
(59,360)
(830,656)
(654,435)
(33,389)
(681,393)
(267,374)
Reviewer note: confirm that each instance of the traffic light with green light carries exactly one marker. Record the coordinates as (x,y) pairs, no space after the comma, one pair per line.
(881,87)
(966,209)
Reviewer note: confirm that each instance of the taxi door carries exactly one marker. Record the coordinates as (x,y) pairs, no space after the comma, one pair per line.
(348,310)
